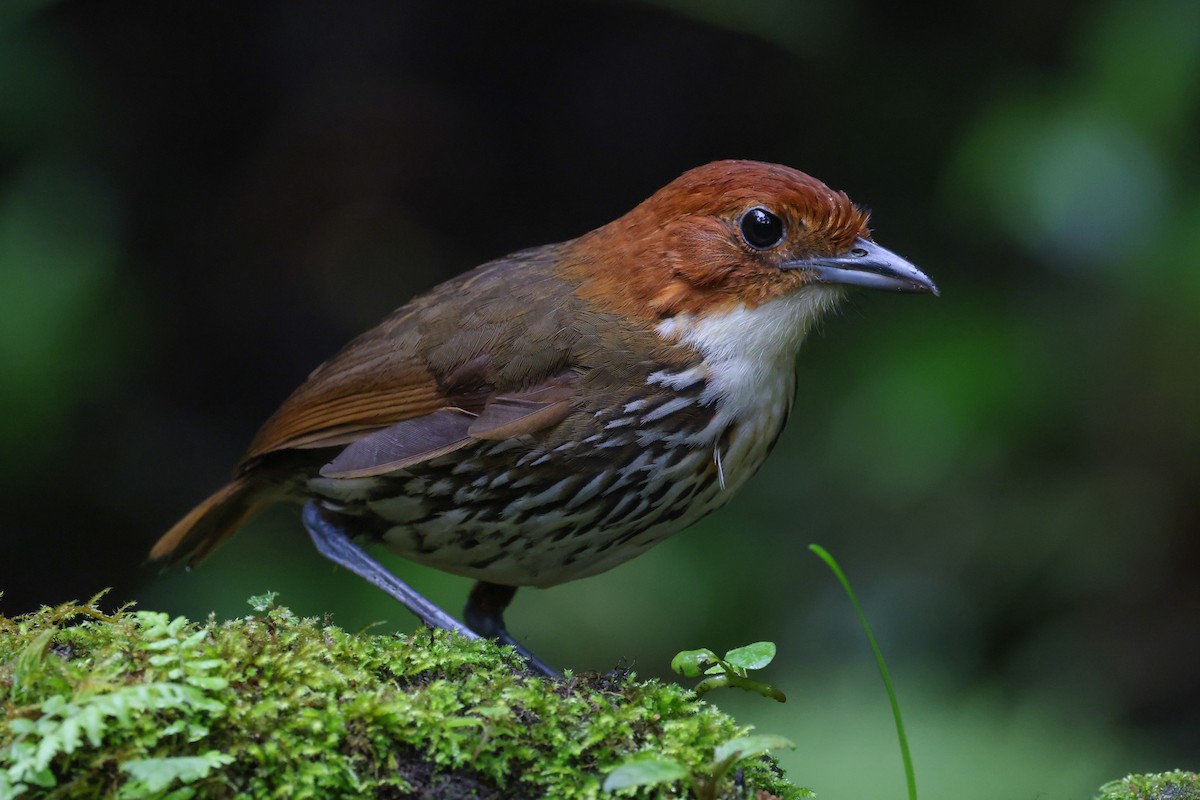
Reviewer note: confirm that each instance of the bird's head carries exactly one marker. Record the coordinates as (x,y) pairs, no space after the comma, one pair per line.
(735,233)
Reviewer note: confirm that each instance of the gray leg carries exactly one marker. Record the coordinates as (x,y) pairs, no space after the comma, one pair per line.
(332,541)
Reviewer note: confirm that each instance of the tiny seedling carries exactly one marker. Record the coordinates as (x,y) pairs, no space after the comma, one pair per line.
(262,602)
(647,769)
(730,671)
(651,770)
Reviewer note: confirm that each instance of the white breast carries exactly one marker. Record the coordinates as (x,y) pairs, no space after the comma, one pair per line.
(749,361)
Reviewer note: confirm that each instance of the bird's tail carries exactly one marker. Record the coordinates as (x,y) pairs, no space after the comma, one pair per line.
(215,519)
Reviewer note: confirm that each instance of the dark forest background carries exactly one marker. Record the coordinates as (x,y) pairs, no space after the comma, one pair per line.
(199,202)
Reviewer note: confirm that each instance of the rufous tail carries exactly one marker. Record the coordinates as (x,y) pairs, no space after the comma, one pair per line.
(214,520)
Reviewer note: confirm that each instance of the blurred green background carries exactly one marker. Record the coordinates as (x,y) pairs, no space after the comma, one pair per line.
(200,202)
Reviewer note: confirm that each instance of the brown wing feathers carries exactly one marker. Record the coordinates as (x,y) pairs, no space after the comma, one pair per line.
(402,445)
(516,414)
(431,436)
(399,395)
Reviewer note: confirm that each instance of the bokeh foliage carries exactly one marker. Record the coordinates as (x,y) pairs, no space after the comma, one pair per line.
(200,203)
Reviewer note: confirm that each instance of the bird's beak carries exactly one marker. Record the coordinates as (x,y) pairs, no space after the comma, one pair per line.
(867,264)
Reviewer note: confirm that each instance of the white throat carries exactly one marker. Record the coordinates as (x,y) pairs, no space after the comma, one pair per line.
(750,353)
(749,371)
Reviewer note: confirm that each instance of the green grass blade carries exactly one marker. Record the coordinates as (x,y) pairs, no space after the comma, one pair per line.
(905,755)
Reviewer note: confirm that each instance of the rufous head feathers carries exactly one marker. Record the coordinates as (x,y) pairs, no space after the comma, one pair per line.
(715,237)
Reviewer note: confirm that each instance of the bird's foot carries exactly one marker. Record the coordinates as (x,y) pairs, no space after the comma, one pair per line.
(485,615)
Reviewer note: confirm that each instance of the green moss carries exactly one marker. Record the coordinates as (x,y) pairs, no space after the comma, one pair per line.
(135,704)
(1177,785)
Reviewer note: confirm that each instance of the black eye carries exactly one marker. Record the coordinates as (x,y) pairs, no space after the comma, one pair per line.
(761,229)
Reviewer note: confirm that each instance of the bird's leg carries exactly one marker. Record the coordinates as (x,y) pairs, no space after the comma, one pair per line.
(332,541)
(485,615)
(485,607)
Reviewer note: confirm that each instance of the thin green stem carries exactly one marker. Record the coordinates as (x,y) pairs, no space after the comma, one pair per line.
(905,755)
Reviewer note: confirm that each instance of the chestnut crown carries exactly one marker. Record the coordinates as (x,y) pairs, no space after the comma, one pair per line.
(716,236)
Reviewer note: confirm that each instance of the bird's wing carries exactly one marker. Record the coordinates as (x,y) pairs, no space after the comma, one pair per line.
(448,429)
(473,360)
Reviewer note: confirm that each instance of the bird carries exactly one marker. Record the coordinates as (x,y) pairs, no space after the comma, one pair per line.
(557,412)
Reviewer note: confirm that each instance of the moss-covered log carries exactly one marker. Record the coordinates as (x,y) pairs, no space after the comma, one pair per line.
(136,704)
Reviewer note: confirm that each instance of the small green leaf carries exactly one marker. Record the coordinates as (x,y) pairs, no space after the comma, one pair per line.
(262,602)
(156,774)
(644,772)
(750,746)
(21,727)
(182,793)
(691,663)
(494,712)
(41,777)
(752,656)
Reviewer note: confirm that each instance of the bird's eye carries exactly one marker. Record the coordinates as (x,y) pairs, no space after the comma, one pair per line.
(761,229)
